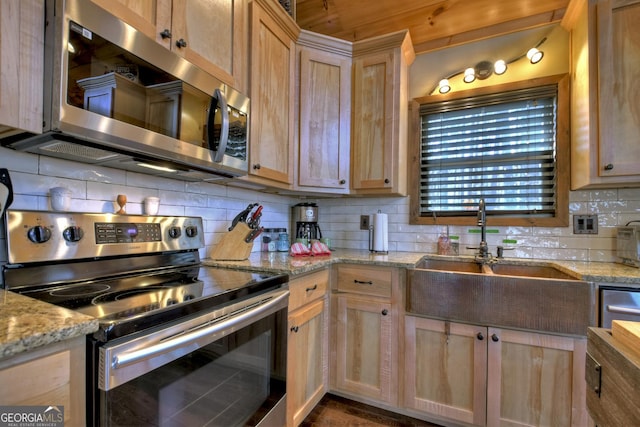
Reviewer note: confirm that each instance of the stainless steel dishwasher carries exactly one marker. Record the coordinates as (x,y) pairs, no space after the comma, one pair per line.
(618,303)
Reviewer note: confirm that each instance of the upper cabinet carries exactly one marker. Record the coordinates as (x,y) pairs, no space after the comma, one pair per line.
(21,66)
(324,96)
(273,35)
(605,113)
(209,33)
(380,114)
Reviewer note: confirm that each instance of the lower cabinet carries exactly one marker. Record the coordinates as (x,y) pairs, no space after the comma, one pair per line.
(307,345)
(53,375)
(493,377)
(365,333)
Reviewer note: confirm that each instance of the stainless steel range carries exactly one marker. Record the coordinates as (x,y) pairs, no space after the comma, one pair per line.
(178,343)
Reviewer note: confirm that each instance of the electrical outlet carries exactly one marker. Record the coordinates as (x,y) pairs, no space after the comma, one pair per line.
(364,222)
(585,224)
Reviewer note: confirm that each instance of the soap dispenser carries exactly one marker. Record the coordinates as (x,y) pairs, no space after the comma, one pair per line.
(443,242)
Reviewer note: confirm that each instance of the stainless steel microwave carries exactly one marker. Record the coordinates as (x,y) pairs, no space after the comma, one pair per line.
(115,97)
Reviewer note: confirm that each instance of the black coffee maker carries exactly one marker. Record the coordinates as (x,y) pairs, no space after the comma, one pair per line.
(304,221)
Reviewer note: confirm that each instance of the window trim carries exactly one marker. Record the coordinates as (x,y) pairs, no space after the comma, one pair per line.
(563,141)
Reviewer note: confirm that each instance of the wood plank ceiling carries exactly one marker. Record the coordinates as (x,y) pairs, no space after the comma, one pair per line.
(433,24)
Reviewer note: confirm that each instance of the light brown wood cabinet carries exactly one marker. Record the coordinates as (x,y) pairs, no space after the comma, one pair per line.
(308,344)
(51,375)
(494,377)
(21,66)
(605,113)
(380,114)
(365,332)
(209,33)
(273,35)
(324,120)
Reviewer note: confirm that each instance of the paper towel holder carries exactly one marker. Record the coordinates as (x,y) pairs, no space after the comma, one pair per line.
(378,233)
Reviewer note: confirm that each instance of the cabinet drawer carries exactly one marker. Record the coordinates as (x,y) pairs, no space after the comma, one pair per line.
(308,288)
(365,280)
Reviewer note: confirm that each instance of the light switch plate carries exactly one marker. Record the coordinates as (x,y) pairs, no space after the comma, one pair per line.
(585,224)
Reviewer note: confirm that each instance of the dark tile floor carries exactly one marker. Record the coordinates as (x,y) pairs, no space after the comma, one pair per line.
(338,411)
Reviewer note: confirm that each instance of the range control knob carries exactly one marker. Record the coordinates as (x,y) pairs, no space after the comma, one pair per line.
(192,231)
(39,234)
(175,232)
(72,233)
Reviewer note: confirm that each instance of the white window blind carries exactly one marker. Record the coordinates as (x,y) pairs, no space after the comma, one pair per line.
(500,147)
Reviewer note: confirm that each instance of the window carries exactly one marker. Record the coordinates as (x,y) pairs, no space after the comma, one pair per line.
(506,144)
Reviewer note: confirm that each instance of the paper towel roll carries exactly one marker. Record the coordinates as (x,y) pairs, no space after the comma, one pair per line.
(380,229)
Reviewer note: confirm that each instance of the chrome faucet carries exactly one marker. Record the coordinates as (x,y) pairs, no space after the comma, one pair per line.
(483,255)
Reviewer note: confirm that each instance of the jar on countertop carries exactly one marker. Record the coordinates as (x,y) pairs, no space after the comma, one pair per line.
(270,238)
(283,242)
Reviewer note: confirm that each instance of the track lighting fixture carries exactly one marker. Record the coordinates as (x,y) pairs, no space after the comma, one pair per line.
(485,69)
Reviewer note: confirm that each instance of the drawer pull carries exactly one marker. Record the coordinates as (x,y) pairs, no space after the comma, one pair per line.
(313,288)
(360,282)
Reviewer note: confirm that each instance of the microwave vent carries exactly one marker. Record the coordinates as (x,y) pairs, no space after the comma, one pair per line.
(80,152)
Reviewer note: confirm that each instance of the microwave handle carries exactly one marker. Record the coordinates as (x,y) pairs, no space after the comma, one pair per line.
(224,131)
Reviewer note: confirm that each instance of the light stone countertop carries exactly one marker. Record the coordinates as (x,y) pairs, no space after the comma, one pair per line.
(281,262)
(26,324)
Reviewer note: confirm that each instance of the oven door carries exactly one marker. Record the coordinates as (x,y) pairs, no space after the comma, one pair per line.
(226,367)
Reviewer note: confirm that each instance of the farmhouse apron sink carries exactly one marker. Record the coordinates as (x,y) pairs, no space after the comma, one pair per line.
(523,296)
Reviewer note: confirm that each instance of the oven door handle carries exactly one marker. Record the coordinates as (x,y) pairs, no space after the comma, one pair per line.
(623,310)
(234,323)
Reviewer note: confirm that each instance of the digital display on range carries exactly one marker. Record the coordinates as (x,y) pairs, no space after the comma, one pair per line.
(127,232)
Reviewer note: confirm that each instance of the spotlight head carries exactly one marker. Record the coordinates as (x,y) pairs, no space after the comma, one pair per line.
(469,75)
(500,67)
(443,86)
(535,55)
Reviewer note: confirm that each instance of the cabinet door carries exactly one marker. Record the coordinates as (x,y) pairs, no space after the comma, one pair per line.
(307,360)
(325,109)
(372,153)
(445,369)
(50,375)
(535,379)
(365,342)
(150,17)
(214,34)
(208,33)
(21,66)
(272,80)
(619,74)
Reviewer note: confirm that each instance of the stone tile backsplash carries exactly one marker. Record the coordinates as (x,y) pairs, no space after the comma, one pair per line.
(94,189)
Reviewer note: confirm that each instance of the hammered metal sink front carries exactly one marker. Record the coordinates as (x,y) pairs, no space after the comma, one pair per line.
(502,299)
(501,267)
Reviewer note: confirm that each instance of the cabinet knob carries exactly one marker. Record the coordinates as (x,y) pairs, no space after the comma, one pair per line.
(343,182)
(608,167)
(181,43)
(495,338)
(480,336)
(294,329)
(256,166)
(386,180)
(385,312)
(165,34)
